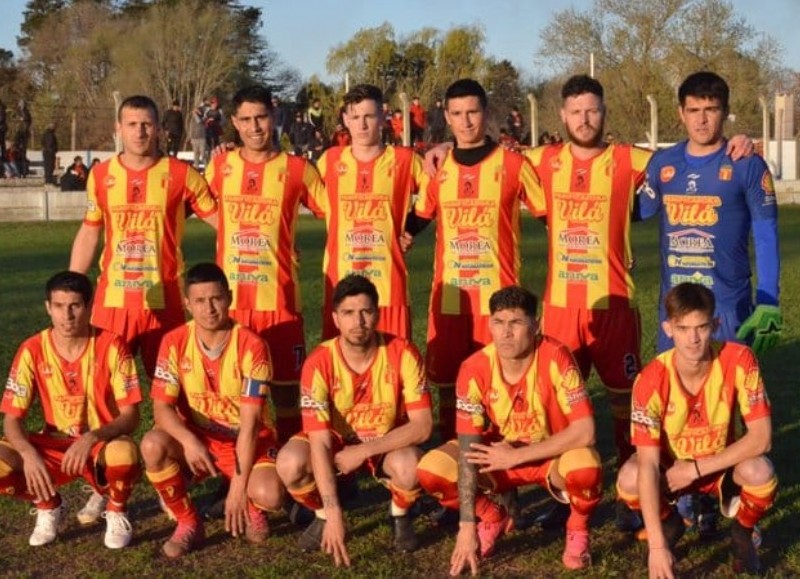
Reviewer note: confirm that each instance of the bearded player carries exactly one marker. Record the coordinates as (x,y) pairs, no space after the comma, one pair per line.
(260,191)
(211,408)
(368,195)
(85,380)
(365,406)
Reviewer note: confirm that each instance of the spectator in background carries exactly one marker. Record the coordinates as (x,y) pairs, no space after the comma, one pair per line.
(278,121)
(397,127)
(3,135)
(10,161)
(515,124)
(556,139)
(197,136)
(75,176)
(544,138)
(417,114)
(318,145)
(388,132)
(214,121)
(49,150)
(341,136)
(437,123)
(300,135)
(173,127)
(315,116)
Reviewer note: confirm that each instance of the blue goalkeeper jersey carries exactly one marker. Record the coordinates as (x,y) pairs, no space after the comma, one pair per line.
(708,206)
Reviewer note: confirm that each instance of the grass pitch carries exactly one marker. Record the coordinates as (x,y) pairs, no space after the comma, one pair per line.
(31,252)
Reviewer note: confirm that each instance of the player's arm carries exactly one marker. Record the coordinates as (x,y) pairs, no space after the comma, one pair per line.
(196,454)
(333,537)
(435,157)
(466,550)
(77,455)
(416,431)
(739,147)
(236,501)
(503,456)
(84,247)
(36,476)
(660,560)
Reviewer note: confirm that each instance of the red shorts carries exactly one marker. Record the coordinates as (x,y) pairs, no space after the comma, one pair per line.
(52,450)
(142,330)
(283,332)
(395,320)
(451,340)
(608,339)
(223,452)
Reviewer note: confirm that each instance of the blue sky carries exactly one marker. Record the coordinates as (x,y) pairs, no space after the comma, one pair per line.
(303,32)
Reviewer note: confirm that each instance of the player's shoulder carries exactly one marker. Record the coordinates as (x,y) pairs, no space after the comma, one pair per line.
(670,154)
(397,345)
(33,343)
(323,354)
(658,367)
(729,352)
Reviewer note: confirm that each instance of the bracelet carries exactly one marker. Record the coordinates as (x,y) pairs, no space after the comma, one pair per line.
(697,469)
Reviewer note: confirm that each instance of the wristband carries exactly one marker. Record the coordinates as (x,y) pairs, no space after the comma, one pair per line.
(697,469)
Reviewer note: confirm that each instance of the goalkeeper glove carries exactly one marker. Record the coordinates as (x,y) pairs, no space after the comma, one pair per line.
(765,325)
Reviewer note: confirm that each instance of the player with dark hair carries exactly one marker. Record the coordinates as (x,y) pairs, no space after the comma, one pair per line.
(85,380)
(523,417)
(211,407)
(475,199)
(369,188)
(365,405)
(684,408)
(260,191)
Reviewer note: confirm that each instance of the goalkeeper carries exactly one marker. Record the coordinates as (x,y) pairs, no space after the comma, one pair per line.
(710,205)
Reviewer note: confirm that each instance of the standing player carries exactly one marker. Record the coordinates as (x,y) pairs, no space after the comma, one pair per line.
(589,303)
(475,199)
(86,383)
(523,417)
(139,199)
(259,191)
(709,205)
(365,404)
(212,415)
(369,189)
(684,408)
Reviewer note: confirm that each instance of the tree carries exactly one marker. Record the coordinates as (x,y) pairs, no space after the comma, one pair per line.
(642,49)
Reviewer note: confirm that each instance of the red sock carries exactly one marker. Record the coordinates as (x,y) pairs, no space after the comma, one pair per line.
(170,486)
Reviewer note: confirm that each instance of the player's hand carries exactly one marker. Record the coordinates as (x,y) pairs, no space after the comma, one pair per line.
(349,459)
(680,475)
(37,478)
(765,324)
(78,454)
(434,158)
(222,148)
(406,241)
(333,539)
(659,563)
(497,456)
(466,550)
(236,517)
(198,458)
(739,147)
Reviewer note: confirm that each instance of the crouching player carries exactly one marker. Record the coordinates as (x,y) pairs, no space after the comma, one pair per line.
(211,407)
(85,380)
(523,416)
(364,403)
(683,427)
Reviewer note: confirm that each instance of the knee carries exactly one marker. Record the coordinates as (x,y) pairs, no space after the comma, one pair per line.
(265,489)
(121,452)
(436,468)
(754,471)
(628,478)
(154,448)
(291,466)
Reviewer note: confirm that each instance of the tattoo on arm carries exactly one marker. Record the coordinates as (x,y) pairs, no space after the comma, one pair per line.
(467,479)
(236,464)
(330,501)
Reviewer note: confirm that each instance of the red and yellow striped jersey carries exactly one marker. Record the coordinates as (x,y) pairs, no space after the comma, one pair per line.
(209,392)
(144,214)
(477,228)
(695,426)
(544,401)
(365,212)
(360,407)
(258,208)
(588,205)
(76,396)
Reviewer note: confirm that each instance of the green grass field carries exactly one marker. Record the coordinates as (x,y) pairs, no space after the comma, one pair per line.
(31,252)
